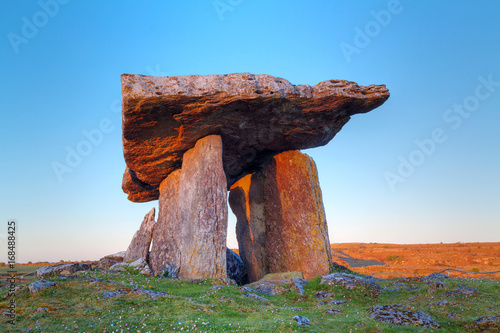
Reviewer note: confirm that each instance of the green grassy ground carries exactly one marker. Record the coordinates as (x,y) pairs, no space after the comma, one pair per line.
(78,306)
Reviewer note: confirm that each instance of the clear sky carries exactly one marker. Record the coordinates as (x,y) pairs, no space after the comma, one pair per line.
(422,168)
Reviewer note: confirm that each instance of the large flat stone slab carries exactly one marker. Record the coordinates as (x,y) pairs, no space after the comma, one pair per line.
(257,117)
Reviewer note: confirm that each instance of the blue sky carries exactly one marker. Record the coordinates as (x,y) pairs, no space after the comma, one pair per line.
(60,66)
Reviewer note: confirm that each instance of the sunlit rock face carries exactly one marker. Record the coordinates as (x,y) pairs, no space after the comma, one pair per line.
(281,223)
(256,116)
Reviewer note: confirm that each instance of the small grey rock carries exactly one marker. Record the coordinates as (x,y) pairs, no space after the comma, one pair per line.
(333,311)
(402,315)
(485,324)
(255,296)
(302,320)
(435,276)
(435,285)
(37,286)
(111,294)
(350,281)
(299,284)
(152,293)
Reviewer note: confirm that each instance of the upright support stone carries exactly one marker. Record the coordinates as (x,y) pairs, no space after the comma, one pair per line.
(203,211)
(139,246)
(166,248)
(246,199)
(190,241)
(296,232)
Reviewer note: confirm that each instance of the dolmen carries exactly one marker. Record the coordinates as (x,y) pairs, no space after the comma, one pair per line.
(192,141)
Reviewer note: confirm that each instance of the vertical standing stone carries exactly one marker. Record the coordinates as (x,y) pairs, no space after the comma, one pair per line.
(296,233)
(165,251)
(203,211)
(246,199)
(139,246)
(190,239)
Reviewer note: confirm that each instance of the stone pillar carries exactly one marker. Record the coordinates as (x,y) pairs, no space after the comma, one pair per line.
(246,199)
(139,246)
(280,217)
(166,248)
(191,239)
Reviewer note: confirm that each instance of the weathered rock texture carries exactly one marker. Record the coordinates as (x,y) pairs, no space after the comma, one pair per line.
(235,268)
(61,269)
(281,224)
(164,258)
(192,224)
(257,117)
(139,246)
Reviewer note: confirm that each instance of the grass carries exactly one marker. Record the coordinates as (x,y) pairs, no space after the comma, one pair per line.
(77,305)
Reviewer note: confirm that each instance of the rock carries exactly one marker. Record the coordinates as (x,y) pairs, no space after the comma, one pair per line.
(165,259)
(402,315)
(203,211)
(62,269)
(118,256)
(236,268)
(281,224)
(38,286)
(434,285)
(462,290)
(246,200)
(322,294)
(139,246)
(341,268)
(277,283)
(488,324)
(299,284)
(435,276)
(41,309)
(290,308)
(111,294)
(302,321)
(255,296)
(350,281)
(257,116)
(106,263)
(119,267)
(190,239)
(333,311)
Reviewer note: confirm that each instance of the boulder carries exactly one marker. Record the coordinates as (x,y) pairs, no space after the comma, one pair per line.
(106,263)
(61,269)
(118,256)
(164,258)
(435,285)
(235,268)
(38,286)
(435,276)
(278,283)
(281,223)
(302,321)
(257,117)
(139,246)
(488,324)
(350,281)
(402,315)
(192,225)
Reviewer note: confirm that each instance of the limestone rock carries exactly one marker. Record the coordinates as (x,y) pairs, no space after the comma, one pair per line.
(106,263)
(350,281)
(402,315)
(435,276)
(257,116)
(281,223)
(118,256)
(62,269)
(38,286)
(139,246)
(298,284)
(164,258)
(246,200)
(488,324)
(435,285)
(192,225)
(257,297)
(235,268)
(302,321)
(111,294)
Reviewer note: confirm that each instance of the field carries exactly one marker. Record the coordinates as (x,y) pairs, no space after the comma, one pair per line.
(77,304)
(391,260)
